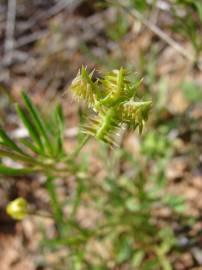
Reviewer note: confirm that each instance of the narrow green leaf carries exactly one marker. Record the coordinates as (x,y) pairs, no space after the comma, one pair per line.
(56,207)
(9,142)
(138,258)
(31,146)
(29,126)
(15,156)
(37,120)
(15,171)
(199,9)
(59,123)
(64,241)
(59,114)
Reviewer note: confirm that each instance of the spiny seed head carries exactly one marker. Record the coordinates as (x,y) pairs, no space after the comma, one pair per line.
(83,87)
(17,209)
(117,87)
(134,113)
(112,98)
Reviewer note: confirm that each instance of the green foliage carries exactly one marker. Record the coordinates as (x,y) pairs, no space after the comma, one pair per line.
(41,149)
(192,91)
(195,5)
(127,224)
(187,16)
(127,205)
(187,24)
(119,28)
(122,227)
(140,5)
(156,143)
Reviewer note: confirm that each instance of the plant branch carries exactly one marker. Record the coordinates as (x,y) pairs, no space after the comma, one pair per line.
(80,146)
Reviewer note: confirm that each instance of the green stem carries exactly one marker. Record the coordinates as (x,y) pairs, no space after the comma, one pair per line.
(55,204)
(80,146)
(77,199)
(42,215)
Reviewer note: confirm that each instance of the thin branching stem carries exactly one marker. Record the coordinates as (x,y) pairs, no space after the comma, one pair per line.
(80,146)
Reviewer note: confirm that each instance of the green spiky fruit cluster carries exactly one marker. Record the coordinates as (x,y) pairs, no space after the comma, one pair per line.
(112,97)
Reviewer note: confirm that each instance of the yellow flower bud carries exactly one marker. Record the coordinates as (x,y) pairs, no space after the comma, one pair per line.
(17,209)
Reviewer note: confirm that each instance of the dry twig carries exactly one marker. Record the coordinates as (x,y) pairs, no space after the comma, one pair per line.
(154,28)
(10,29)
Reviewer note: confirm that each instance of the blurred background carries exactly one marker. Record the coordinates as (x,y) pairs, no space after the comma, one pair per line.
(43,43)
